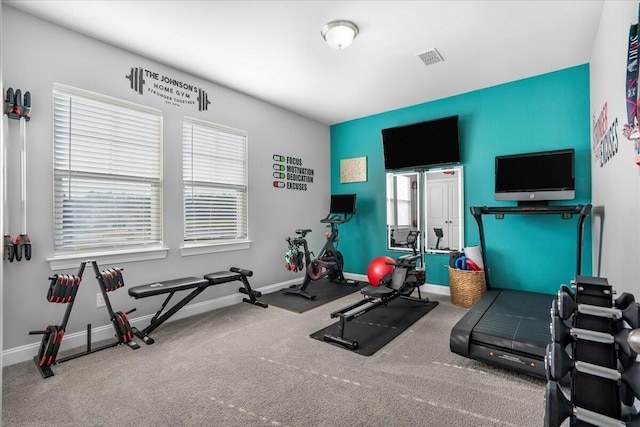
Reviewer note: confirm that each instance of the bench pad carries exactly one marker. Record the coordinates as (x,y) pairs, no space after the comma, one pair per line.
(222,277)
(167,286)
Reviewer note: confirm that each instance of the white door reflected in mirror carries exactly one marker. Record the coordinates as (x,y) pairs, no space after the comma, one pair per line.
(430,202)
(443,207)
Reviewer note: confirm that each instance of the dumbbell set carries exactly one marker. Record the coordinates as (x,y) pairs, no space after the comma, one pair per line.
(593,354)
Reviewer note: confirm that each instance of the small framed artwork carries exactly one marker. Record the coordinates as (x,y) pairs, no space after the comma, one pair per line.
(353,170)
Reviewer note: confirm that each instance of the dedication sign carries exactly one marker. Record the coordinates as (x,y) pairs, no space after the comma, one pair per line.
(290,174)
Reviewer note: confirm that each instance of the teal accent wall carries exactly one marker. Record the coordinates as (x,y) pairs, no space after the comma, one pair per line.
(525,252)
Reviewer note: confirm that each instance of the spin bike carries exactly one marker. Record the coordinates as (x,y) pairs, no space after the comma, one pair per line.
(329,262)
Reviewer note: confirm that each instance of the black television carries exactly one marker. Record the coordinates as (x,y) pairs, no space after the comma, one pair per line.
(421,145)
(343,204)
(536,177)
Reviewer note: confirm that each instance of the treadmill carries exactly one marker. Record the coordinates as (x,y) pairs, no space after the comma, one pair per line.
(510,328)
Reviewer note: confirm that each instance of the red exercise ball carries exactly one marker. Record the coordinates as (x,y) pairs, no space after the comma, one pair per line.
(378,268)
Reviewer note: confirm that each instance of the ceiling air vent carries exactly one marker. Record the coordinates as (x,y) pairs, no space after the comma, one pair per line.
(430,57)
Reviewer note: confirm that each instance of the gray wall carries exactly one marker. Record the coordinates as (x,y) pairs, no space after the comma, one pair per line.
(45,54)
(616,182)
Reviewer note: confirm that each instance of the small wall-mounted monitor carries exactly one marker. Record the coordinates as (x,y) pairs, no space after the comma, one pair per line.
(536,177)
(343,204)
(421,145)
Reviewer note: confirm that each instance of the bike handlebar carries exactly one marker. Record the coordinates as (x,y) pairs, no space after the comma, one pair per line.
(334,218)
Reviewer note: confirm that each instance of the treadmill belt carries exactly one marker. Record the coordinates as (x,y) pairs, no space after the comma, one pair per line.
(516,320)
(506,328)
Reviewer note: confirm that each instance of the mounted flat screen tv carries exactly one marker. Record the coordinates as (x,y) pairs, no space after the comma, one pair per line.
(421,145)
(535,178)
(343,204)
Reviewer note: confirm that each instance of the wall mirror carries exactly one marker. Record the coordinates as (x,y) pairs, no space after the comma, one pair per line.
(443,207)
(431,202)
(403,208)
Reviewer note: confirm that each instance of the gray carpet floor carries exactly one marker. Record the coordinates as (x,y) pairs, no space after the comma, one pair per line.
(247,366)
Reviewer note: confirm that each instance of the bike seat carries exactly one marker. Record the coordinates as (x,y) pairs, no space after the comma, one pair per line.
(303,231)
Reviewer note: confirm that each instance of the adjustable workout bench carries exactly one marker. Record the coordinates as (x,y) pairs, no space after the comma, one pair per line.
(198,285)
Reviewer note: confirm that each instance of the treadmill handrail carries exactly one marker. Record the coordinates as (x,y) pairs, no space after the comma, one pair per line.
(566,211)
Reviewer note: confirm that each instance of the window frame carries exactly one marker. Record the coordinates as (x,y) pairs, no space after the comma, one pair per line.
(203,246)
(151,249)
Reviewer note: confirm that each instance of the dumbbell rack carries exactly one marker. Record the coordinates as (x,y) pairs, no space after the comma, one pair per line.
(590,355)
(62,290)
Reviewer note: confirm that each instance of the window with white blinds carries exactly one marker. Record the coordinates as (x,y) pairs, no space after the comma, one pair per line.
(107,173)
(399,200)
(215,172)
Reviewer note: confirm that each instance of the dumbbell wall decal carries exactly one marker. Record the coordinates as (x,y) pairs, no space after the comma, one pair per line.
(136,82)
(136,79)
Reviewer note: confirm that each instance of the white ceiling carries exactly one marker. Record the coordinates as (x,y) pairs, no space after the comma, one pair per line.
(272,50)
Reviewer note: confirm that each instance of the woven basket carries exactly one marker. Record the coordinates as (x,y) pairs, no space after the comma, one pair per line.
(466,286)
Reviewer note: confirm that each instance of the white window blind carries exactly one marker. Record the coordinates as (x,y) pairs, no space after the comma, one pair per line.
(107,173)
(215,182)
(403,200)
(399,209)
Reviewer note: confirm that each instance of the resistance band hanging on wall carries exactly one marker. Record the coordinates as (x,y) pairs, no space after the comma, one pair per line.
(18,107)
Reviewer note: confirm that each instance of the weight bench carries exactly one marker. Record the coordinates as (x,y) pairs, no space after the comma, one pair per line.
(197,285)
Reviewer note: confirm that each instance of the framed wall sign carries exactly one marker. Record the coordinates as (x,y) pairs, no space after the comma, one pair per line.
(353,170)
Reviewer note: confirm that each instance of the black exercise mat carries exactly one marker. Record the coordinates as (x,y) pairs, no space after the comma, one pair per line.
(376,328)
(324,289)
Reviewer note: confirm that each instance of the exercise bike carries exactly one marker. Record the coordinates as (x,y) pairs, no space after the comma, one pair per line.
(329,262)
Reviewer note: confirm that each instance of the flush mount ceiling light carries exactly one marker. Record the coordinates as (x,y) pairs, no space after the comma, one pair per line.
(339,34)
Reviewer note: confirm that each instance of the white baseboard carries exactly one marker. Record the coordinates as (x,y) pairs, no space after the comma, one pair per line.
(433,289)
(105,332)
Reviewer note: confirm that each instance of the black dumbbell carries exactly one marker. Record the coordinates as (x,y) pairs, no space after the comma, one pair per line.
(624,300)
(558,408)
(634,340)
(558,364)
(564,335)
(567,307)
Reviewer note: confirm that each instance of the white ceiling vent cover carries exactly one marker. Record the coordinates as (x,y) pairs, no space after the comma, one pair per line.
(430,57)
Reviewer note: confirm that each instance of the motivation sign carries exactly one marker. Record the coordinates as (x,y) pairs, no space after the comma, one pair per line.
(604,136)
(290,174)
(173,91)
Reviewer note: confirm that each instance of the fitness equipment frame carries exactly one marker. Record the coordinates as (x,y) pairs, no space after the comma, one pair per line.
(329,262)
(401,283)
(18,107)
(63,289)
(197,286)
(439,234)
(516,341)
